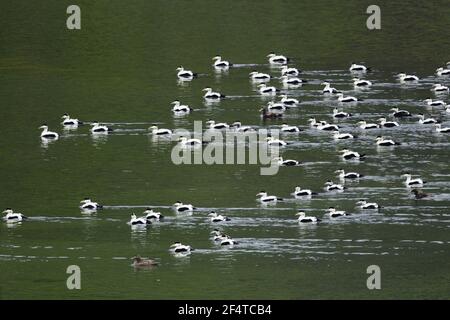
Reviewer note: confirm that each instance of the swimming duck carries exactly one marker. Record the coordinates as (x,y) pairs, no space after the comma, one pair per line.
(330,186)
(187,143)
(211,95)
(276,107)
(180,207)
(177,247)
(273,142)
(289,71)
(217,217)
(340,114)
(217,126)
(220,64)
(324,126)
(277,59)
(366,126)
(267,90)
(289,102)
(358,68)
(69,122)
(381,141)
(439,88)
(46,134)
(287,128)
(264,198)
(328,89)
(135,221)
(291,81)
(363,204)
(358,83)
(303,218)
(314,124)
(259,76)
(342,136)
(140,262)
(299,192)
(419,194)
(417,182)
(237,125)
(333,213)
(347,155)
(269,115)
(407,77)
(435,103)
(442,72)
(178,108)
(152,215)
(185,74)
(387,124)
(227,241)
(88,204)
(218,235)
(346,99)
(97,128)
(12,217)
(441,129)
(287,163)
(423,120)
(396,112)
(348,175)
(160,132)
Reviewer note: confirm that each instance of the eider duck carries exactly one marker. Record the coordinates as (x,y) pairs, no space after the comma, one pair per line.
(289,102)
(417,182)
(187,143)
(299,192)
(340,114)
(97,128)
(217,126)
(287,128)
(177,247)
(359,83)
(185,74)
(180,207)
(358,68)
(237,125)
(276,107)
(331,186)
(277,59)
(217,217)
(441,129)
(220,64)
(407,77)
(46,134)
(363,204)
(135,221)
(439,88)
(152,215)
(218,235)
(269,115)
(303,218)
(346,99)
(259,76)
(264,198)
(211,95)
(227,241)
(88,204)
(328,89)
(286,163)
(178,108)
(69,122)
(397,113)
(289,71)
(273,142)
(12,217)
(419,194)
(160,132)
(342,136)
(267,90)
(382,142)
(140,262)
(442,72)
(324,126)
(435,103)
(366,126)
(348,175)
(348,155)
(333,213)
(387,124)
(423,120)
(291,81)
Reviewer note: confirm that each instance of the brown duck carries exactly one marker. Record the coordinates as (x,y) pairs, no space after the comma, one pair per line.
(139,262)
(419,194)
(269,115)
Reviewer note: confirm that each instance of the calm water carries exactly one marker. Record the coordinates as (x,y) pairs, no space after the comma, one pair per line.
(119,69)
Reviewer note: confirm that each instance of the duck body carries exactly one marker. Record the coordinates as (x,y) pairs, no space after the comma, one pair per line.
(264,198)
(180,207)
(330,186)
(151,215)
(349,155)
(13,217)
(177,247)
(299,192)
(141,262)
(304,219)
(348,175)
(277,59)
(214,217)
(363,204)
(89,205)
(135,221)
(46,134)
(333,213)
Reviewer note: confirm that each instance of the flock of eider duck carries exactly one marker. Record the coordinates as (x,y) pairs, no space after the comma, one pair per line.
(289,78)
